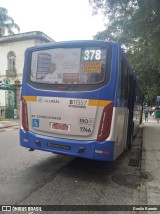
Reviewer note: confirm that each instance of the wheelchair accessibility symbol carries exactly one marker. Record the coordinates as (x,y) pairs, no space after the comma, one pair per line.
(35,122)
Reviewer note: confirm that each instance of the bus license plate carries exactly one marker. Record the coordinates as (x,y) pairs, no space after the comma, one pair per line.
(60,126)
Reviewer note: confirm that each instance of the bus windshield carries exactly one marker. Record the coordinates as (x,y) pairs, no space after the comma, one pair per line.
(69,65)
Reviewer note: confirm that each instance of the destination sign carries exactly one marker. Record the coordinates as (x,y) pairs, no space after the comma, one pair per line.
(92,67)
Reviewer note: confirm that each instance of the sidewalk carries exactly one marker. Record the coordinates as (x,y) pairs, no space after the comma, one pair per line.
(5,123)
(150,189)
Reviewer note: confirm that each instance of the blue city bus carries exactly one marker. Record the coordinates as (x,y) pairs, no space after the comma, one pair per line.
(79,98)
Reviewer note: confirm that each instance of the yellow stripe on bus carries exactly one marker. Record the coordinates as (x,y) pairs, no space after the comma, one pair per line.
(90,103)
(99,102)
(30,98)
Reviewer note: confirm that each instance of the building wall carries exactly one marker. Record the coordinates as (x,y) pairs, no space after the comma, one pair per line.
(18,48)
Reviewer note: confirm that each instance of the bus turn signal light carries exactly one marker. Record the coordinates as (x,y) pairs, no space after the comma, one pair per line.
(105,123)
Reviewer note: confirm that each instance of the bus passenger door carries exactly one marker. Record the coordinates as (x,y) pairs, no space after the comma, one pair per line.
(122,120)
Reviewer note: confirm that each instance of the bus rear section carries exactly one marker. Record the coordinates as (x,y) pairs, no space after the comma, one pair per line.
(76,129)
(72,100)
(64,105)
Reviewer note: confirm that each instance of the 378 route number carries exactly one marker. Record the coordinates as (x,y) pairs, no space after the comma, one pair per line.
(92,54)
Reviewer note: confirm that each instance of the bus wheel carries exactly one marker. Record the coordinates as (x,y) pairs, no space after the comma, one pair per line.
(131,140)
(130,137)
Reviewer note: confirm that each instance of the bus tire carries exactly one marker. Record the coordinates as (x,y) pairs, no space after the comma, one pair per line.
(130,137)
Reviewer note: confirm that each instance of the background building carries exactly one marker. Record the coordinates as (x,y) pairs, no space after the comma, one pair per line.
(12,51)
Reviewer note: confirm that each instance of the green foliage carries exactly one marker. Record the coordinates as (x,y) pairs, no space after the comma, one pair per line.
(136,25)
(7,24)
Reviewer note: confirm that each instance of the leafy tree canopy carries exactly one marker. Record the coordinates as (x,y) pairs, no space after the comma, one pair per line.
(7,24)
(136,25)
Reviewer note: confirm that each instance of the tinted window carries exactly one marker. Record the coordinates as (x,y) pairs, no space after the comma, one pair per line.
(69,65)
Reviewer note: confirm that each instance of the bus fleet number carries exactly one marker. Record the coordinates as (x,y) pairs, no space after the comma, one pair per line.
(85,129)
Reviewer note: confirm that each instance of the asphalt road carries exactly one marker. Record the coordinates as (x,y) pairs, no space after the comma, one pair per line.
(41,178)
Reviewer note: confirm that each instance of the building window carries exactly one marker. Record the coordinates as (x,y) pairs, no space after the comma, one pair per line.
(11,61)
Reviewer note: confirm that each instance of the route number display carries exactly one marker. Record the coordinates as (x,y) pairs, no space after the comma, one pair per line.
(92,54)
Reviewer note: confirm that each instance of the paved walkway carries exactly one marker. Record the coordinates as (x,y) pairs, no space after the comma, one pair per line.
(150,190)
(5,123)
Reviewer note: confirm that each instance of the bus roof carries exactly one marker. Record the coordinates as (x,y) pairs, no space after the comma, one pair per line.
(72,43)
